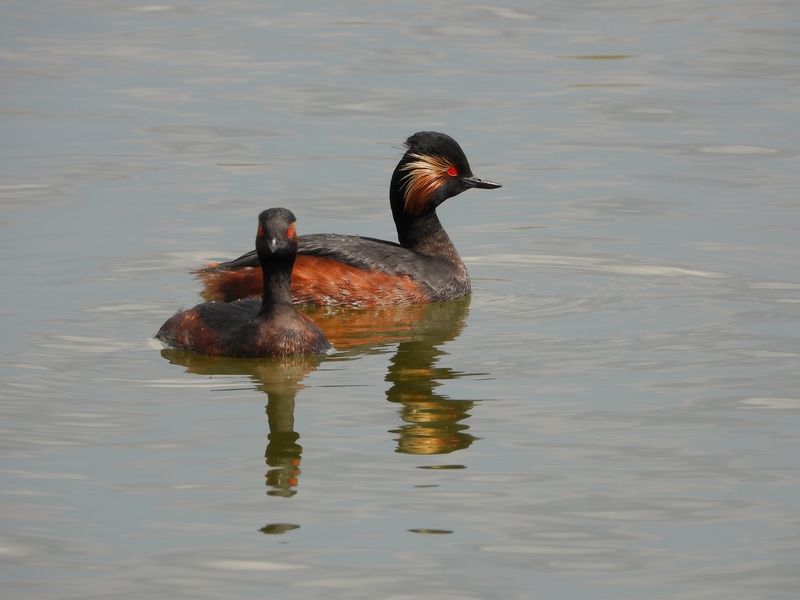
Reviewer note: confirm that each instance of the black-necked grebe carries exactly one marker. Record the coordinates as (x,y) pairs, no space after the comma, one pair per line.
(267,326)
(358,271)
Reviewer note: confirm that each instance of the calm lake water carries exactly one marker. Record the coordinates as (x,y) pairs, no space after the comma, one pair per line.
(614,413)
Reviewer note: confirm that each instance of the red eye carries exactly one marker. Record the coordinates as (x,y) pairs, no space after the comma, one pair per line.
(290,231)
(260,232)
(452,171)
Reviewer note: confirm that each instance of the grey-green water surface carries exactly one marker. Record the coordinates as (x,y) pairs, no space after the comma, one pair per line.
(614,412)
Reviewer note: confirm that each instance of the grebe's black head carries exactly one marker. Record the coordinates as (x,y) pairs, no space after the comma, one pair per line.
(277,234)
(433,169)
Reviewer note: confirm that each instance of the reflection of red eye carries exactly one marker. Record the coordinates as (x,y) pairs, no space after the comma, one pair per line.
(452,171)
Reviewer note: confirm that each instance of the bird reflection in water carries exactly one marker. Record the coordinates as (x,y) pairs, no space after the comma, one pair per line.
(279,378)
(433,422)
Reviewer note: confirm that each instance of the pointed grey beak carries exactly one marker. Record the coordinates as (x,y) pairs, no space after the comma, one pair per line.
(273,245)
(474,182)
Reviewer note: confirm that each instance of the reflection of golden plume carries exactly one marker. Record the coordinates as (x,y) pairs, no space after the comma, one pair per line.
(432,421)
(425,175)
(432,427)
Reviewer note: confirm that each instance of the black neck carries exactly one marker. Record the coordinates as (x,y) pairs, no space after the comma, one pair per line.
(423,234)
(277,272)
(426,235)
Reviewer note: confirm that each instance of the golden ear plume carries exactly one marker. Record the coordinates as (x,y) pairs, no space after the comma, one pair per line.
(425,174)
